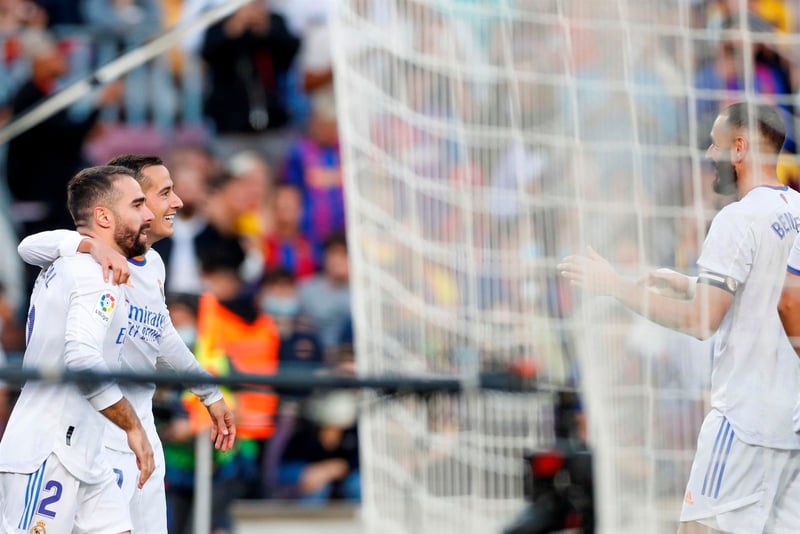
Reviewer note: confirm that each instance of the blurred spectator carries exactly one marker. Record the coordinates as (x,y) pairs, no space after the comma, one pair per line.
(247,55)
(314,166)
(12,333)
(300,349)
(16,15)
(124,17)
(178,436)
(285,246)
(309,20)
(320,460)
(254,178)
(37,182)
(325,297)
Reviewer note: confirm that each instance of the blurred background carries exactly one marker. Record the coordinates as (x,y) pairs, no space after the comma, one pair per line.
(449,152)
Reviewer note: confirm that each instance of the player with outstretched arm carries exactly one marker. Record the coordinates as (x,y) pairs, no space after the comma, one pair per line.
(744,474)
(151,339)
(53,475)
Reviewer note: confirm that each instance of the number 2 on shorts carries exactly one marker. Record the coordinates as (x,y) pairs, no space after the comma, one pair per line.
(51,499)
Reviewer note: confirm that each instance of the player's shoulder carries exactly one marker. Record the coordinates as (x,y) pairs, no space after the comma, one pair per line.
(81,272)
(152,256)
(737,214)
(79,266)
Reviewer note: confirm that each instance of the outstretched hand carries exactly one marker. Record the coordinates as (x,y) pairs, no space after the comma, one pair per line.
(591,272)
(223,429)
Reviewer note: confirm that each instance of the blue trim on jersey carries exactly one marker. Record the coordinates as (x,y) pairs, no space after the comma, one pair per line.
(138,262)
(34,489)
(792,270)
(21,523)
(776,187)
(722,471)
(713,454)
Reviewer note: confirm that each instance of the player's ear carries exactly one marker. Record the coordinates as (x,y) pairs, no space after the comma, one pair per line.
(739,149)
(102,217)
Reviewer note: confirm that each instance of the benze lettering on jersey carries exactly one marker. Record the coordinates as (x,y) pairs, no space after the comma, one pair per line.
(784,223)
(145,324)
(105,307)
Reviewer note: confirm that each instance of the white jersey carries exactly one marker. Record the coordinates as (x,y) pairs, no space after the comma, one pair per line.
(793,266)
(78,322)
(755,375)
(151,338)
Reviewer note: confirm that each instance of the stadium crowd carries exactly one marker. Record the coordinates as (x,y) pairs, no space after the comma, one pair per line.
(244,117)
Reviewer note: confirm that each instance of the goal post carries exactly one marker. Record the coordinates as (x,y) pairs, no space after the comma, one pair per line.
(482,141)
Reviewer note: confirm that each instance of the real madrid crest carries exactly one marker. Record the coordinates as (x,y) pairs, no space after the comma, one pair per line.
(39,528)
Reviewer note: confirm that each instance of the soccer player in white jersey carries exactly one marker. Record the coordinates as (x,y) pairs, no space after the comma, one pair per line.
(151,338)
(53,475)
(743,478)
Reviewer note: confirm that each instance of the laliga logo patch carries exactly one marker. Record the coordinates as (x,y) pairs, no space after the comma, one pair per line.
(105,307)
(107,303)
(39,528)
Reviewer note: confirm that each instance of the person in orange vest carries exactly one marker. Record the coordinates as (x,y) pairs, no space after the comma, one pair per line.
(234,336)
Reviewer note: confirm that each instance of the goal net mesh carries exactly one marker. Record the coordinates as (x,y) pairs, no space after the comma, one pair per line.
(482,141)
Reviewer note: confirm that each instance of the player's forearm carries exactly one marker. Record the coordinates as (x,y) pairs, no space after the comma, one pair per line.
(676,314)
(122,414)
(177,356)
(789,311)
(44,248)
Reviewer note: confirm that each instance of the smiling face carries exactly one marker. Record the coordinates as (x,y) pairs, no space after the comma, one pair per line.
(162,201)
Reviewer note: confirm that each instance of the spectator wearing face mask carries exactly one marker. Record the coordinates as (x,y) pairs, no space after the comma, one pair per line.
(300,348)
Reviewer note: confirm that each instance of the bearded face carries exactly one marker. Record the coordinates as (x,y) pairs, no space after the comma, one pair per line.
(132,240)
(726,176)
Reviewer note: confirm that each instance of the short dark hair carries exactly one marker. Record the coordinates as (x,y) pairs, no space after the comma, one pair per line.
(277,275)
(335,240)
(765,117)
(93,186)
(136,162)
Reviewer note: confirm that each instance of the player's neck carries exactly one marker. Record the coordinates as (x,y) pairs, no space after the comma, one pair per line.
(108,239)
(766,176)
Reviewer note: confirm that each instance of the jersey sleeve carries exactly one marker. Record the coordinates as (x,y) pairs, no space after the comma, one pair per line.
(176,355)
(729,248)
(793,265)
(44,248)
(88,317)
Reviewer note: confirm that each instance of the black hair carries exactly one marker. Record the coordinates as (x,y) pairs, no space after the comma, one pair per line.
(278,275)
(336,239)
(765,117)
(136,162)
(91,187)
(185,299)
(220,255)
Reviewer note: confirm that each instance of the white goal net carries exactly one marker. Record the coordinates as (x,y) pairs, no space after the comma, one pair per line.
(482,141)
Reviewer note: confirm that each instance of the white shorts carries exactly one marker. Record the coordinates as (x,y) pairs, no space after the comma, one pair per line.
(735,487)
(50,500)
(148,505)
